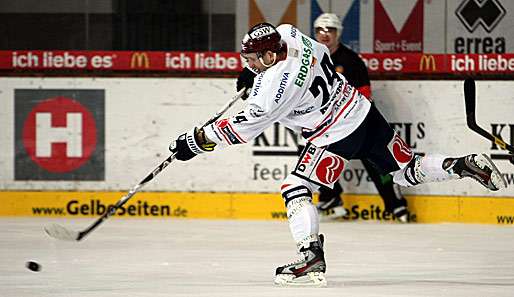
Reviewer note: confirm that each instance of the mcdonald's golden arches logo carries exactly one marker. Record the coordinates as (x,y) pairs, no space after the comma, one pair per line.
(139,60)
(427,62)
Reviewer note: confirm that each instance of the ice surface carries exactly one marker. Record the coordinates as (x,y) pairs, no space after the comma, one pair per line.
(142,258)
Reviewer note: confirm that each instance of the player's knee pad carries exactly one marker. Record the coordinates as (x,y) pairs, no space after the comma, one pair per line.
(294,187)
(422,169)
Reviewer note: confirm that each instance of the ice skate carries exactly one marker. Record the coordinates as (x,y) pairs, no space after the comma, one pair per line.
(482,169)
(331,210)
(400,211)
(401,214)
(309,270)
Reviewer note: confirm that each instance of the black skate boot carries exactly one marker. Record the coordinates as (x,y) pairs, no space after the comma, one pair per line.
(331,210)
(309,270)
(480,168)
(401,214)
(330,205)
(400,211)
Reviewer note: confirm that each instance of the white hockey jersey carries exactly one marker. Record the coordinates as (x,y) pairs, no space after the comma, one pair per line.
(302,92)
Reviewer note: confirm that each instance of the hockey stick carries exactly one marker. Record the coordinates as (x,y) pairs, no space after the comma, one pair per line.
(470,100)
(62,233)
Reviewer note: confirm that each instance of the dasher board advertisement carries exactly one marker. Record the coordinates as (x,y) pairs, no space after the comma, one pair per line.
(143,115)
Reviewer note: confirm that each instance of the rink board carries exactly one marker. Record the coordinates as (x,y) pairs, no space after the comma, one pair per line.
(136,118)
(254,206)
(49,175)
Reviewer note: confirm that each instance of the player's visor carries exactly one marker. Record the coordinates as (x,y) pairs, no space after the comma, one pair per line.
(327,30)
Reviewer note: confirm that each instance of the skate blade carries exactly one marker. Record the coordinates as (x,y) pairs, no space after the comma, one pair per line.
(497,178)
(403,219)
(312,279)
(335,213)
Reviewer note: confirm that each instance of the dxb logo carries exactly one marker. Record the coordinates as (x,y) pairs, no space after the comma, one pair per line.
(59,134)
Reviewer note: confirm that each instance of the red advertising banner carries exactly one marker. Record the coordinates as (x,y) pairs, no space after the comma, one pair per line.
(230,62)
(121,61)
(418,63)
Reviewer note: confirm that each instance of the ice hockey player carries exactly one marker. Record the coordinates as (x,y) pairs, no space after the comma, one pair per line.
(298,87)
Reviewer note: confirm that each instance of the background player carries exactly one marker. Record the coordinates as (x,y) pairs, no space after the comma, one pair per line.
(328,28)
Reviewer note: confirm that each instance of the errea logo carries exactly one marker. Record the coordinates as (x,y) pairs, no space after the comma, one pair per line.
(485,13)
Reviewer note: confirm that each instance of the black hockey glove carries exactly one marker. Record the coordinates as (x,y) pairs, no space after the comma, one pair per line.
(190,144)
(245,81)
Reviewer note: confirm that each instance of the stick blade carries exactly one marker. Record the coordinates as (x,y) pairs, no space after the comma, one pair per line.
(61,233)
(469,97)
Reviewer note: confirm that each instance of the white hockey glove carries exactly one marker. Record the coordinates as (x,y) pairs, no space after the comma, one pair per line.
(190,144)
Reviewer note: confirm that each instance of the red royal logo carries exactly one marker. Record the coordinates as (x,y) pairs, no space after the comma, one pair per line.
(59,134)
(401,150)
(329,169)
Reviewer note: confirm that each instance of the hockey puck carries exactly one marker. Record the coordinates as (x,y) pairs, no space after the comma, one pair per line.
(33,266)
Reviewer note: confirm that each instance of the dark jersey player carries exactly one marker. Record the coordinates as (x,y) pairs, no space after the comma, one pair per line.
(347,62)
